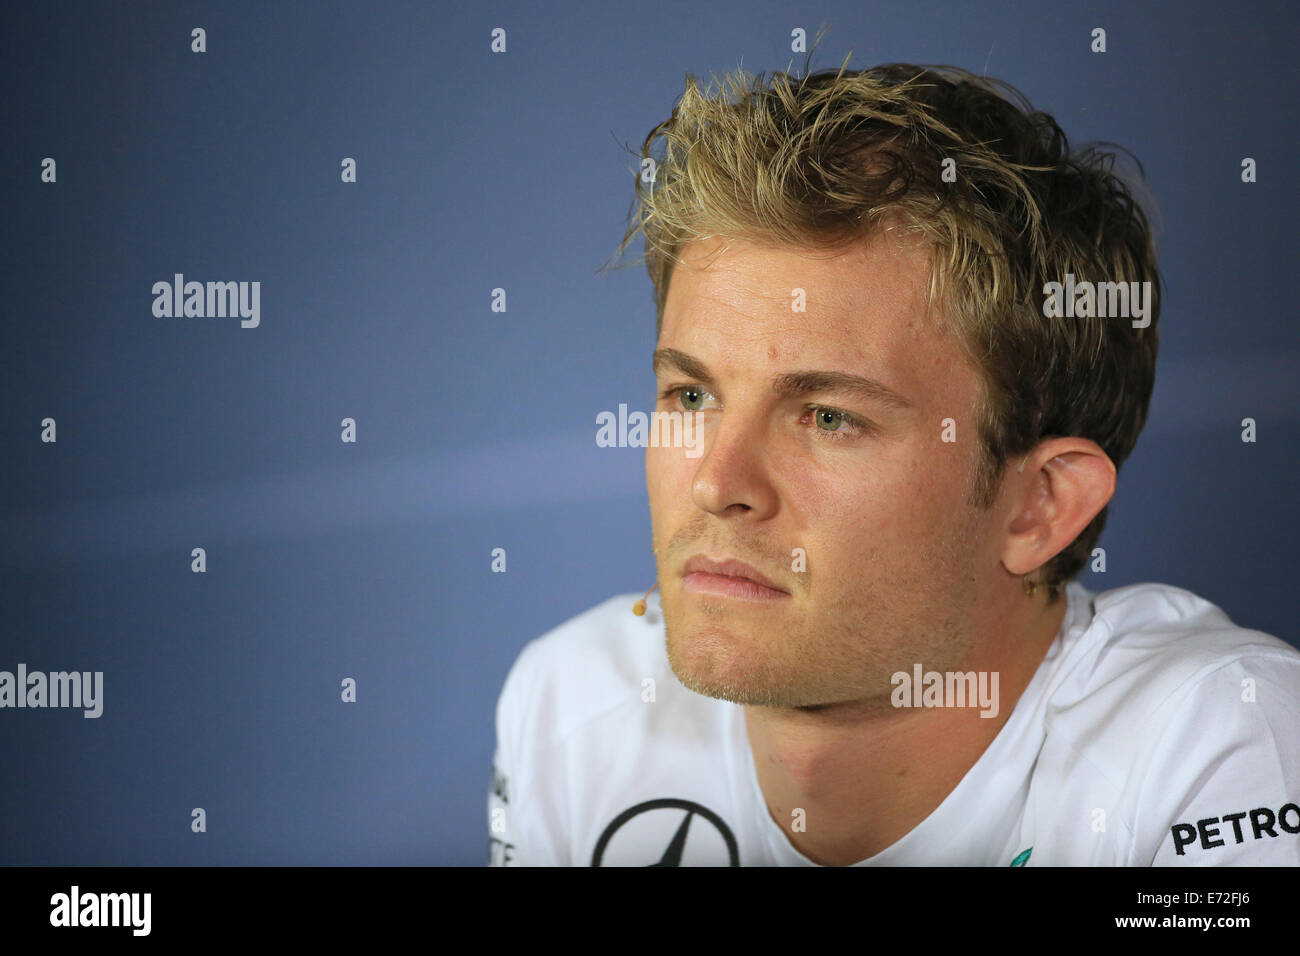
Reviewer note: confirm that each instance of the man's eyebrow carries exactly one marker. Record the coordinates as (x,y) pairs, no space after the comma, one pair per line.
(688,365)
(792,384)
(802,383)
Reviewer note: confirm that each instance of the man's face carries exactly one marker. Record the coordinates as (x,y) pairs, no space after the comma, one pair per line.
(892,552)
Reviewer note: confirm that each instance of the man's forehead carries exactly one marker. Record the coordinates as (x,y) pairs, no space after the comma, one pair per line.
(856,301)
(880,273)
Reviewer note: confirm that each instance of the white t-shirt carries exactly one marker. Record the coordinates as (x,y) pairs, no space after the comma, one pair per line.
(1154,732)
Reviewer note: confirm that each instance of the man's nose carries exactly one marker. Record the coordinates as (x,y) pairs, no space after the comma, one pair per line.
(732,475)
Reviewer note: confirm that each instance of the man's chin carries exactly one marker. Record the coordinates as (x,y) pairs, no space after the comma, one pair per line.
(715,666)
(736,693)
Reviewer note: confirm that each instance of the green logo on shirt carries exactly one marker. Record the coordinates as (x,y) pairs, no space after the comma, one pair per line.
(1022,858)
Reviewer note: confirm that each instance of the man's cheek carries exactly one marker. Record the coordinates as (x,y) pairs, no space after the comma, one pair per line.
(669,473)
(657,492)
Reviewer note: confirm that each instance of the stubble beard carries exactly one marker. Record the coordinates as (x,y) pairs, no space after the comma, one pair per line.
(818,649)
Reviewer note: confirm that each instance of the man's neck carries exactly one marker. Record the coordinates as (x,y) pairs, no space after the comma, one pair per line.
(864,774)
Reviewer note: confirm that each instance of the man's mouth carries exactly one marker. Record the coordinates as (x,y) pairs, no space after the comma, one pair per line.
(729,578)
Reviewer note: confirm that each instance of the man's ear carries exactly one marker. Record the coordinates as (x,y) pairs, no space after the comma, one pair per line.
(1061,486)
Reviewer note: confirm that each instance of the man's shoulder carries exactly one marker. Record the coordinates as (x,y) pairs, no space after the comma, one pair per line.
(587,666)
(1152,640)
(1158,684)
(1140,663)
(1161,709)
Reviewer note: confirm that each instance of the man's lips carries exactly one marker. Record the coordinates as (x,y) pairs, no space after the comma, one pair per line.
(729,577)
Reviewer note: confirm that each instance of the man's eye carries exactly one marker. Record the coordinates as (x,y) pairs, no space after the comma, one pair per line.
(828,419)
(836,425)
(691,398)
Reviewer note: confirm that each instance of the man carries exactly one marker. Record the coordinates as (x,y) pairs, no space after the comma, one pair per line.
(918,337)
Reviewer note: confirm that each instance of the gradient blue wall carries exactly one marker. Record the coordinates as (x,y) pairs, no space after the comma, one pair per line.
(476,428)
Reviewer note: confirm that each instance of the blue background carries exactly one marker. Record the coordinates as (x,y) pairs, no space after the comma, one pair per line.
(476,428)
